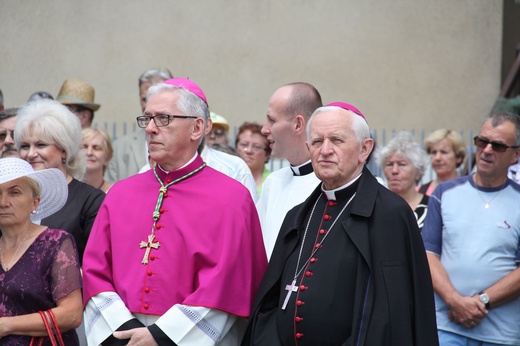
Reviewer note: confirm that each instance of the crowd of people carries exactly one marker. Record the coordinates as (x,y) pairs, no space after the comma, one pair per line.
(172,235)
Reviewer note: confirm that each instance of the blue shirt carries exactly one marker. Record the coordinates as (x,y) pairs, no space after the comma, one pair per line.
(477,246)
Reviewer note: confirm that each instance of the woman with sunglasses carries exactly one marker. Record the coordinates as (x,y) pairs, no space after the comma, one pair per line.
(447,153)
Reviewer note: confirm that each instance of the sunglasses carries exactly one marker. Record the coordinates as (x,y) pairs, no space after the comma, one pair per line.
(497,147)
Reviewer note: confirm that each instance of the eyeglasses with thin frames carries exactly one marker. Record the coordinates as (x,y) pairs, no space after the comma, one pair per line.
(253,147)
(160,120)
(497,147)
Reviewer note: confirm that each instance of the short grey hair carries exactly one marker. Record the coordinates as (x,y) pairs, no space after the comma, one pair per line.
(404,145)
(499,117)
(154,75)
(187,102)
(8,113)
(52,121)
(359,124)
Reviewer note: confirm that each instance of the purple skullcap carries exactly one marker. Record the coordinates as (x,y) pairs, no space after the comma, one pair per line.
(347,107)
(188,85)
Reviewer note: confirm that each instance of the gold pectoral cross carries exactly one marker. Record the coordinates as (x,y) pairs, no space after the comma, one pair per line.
(148,245)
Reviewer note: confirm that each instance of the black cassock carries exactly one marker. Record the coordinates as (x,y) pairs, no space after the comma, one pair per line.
(367,284)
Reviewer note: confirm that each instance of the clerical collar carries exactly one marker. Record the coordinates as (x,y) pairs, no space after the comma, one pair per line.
(187,163)
(335,194)
(304,169)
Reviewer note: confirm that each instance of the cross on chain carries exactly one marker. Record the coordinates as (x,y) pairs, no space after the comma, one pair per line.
(148,245)
(290,289)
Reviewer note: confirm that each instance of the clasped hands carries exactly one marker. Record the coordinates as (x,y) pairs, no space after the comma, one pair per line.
(137,336)
(467,311)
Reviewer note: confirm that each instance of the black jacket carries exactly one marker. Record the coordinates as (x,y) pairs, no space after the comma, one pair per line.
(394,294)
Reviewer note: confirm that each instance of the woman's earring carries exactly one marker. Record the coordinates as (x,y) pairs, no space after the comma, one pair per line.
(33,212)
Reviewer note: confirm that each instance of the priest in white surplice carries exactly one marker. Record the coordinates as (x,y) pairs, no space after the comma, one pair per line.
(290,107)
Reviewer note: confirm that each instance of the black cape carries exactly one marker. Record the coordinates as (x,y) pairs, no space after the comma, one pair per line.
(394,301)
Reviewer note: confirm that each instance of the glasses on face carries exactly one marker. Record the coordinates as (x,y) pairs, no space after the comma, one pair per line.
(159,120)
(76,109)
(3,135)
(217,132)
(482,143)
(244,146)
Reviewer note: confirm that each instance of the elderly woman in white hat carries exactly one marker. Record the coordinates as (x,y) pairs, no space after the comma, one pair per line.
(48,135)
(39,273)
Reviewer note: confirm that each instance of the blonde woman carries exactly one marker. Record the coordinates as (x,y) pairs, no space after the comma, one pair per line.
(447,153)
(97,147)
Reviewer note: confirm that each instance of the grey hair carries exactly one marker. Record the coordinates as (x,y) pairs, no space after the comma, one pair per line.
(187,102)
(359,125)
(8,113)
(405,145)
(499,117)
(154,75)
(52,121)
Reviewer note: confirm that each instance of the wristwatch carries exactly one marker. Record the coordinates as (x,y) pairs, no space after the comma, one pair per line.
(484,299)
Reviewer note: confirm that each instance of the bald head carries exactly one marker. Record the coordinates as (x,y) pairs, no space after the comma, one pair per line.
(302,99)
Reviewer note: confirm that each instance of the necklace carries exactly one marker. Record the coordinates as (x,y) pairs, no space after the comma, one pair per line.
(102,183)
(487,204)
(8,266)
(151,242)
(293,287)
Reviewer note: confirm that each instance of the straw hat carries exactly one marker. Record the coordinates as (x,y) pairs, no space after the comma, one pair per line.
(52,182)
(77,92)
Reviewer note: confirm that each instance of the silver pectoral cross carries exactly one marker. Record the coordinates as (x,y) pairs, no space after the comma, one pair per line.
(148,245)
(290,289)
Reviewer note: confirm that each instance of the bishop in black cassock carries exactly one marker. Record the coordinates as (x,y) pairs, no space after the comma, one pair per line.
(349,266)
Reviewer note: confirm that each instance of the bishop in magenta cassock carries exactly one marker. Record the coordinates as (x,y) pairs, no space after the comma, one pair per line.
(176,253)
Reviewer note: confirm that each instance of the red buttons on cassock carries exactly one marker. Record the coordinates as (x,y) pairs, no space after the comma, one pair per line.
(165,195)
(314,259)
(158,226)
(327,217)
(162,210)
(299,335)
(149,273)
(299,303)
(322,231)
(332,203)
(298,319)
(168,180)
(147,290)
(318,246)
(152,258)
(303,288)
(146,306)
(308,273)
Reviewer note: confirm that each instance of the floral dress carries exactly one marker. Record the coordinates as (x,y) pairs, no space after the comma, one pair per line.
(48,271)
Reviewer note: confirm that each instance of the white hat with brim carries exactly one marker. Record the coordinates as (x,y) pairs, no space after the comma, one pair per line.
(219,120)
(53,184)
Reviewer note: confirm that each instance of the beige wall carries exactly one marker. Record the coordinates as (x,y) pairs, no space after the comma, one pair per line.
(407,64)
